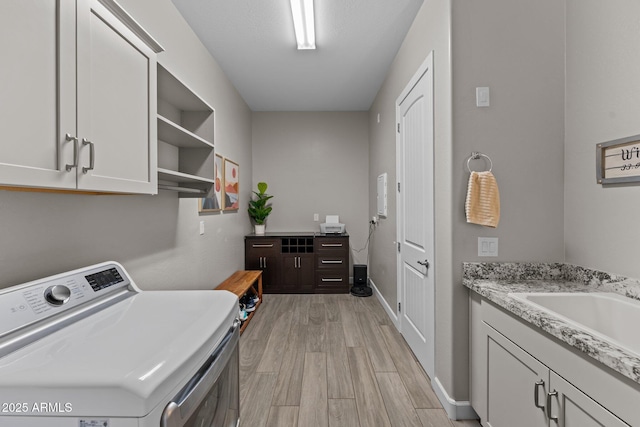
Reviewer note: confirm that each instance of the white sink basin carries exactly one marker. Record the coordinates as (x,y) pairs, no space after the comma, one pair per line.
(611,316)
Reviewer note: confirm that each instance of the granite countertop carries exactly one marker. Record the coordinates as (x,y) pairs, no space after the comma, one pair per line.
(494,281)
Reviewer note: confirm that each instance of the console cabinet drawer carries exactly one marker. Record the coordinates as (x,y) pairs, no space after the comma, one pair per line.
(332,245)
(331,262)
(332,281)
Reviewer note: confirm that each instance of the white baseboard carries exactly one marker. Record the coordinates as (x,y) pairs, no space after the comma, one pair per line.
(392,315)
(456,410)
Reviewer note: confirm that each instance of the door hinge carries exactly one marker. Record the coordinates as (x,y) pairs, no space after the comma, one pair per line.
(399,307)
(398,187)
(398,246)
(398,127)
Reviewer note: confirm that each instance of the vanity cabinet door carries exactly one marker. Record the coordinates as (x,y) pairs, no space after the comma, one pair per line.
(573,408)
(37,93)
(514,379)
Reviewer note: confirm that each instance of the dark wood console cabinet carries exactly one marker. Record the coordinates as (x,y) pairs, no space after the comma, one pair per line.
(299,262)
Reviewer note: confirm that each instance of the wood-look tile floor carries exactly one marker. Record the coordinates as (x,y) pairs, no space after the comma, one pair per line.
(332,360)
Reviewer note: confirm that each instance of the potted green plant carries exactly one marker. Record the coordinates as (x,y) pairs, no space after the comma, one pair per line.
(258,208)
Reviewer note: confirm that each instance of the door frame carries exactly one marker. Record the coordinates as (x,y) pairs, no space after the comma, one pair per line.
(424,67)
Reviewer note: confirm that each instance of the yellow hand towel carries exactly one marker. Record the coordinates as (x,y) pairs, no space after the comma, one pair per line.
(483,199)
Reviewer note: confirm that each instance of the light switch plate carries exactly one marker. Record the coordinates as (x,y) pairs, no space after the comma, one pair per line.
(482,97)
(487,246)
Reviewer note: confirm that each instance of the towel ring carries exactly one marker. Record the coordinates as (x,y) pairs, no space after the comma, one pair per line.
(475,156)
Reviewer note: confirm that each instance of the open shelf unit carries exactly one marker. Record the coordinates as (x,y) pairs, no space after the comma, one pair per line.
(186,130)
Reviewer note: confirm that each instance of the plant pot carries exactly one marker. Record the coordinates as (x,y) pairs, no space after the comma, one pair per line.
(259,228)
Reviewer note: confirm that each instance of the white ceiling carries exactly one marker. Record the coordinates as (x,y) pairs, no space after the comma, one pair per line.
(254,43)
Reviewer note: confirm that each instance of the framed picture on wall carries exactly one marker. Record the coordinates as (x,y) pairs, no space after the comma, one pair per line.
(231,185)
(214,204)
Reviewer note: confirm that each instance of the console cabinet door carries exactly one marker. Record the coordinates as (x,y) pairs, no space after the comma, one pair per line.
(573,408)
(511,387)
(37,79)
(289,274)
(297,273)
(264,254)
(116,104)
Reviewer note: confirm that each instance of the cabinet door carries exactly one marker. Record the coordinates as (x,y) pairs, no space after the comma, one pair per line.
(306,273)
(263,254)
(289,274)
(573,408)
(297,273)
(116,104)
(37,79)
(511,387)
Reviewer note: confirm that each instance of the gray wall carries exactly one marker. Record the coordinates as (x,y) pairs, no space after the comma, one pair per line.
(602,104)
(516,48)
(155,237)
(314,162)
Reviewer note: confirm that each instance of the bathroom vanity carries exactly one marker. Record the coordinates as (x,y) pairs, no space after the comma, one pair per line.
(534,362)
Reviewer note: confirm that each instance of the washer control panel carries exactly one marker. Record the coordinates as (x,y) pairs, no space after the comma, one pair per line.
(32,302)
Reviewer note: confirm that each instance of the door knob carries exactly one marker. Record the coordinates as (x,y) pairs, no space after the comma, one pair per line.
(425,263)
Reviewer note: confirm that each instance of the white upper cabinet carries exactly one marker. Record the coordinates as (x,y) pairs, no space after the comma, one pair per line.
(78,85)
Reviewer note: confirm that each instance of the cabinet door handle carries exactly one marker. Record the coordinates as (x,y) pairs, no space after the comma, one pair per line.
(265,262)
(549,396)
(536,400)
(260,260)
(92,155)
(297,262)
(330,261)
(263,245)
(332,245)
(70,138)
(331,280)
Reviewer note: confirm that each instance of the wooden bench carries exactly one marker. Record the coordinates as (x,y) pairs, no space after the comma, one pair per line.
(240,283)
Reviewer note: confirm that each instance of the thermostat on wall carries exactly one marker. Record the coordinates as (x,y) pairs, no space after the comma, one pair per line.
(382,195)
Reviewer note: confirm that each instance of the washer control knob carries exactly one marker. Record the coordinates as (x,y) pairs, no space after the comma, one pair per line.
(57,295)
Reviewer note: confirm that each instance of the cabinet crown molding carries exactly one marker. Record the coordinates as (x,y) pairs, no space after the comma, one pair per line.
(115,8)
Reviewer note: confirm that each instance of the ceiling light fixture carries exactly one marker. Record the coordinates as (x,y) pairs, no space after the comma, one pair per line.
(303,23)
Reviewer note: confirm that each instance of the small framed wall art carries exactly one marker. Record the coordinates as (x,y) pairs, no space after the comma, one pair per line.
(231,185)
(214,204)
(618,161)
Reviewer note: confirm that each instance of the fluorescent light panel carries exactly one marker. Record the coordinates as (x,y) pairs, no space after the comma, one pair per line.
(303,23)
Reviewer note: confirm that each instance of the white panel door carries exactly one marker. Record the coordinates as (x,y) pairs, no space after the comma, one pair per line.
(37,79)
(116,105)
(415,218)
